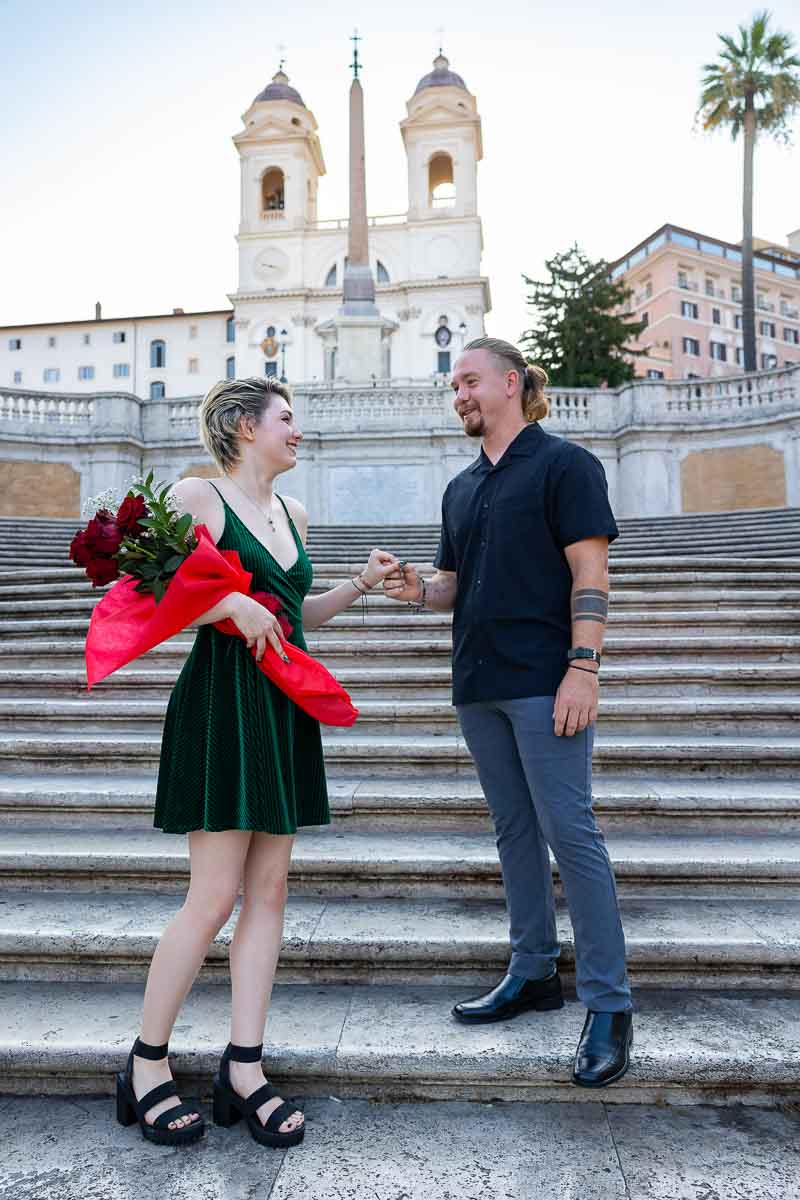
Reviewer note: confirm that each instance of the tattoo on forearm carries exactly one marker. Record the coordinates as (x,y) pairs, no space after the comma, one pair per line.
(590,604)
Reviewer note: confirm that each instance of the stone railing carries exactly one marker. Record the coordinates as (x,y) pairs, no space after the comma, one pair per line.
(387,406)
(373,222)
(579,412)
(738,399)
(20,407)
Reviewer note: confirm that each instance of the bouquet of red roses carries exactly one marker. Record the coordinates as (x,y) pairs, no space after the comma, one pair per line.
(171,574)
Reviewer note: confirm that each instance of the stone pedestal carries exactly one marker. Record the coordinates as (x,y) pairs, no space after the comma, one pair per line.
(359,353)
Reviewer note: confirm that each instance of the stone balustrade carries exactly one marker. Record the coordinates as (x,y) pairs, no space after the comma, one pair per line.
(390,449)
(22,407)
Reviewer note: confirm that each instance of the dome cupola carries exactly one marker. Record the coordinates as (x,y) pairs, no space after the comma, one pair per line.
(440,76)
(280,89)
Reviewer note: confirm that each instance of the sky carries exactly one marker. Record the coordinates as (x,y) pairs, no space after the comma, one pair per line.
(120,180)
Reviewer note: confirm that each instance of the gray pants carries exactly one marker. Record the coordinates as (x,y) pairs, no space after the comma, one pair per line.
(539,790)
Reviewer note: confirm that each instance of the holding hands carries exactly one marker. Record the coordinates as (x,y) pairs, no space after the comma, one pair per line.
(380,566)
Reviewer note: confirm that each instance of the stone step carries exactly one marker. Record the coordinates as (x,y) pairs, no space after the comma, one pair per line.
(672,573)
(104,715)
(732,520)
(111,937)
(781,558)
(383,652)
(653,538)
(400,1043)
(70,595)
(155,678)
(656,804)
(725,516)
(385,864)
(71,616)
(740,756)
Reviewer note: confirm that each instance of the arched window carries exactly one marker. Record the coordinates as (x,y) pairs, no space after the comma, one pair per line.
(158,354)
(331,277)
(230,368)
(230,330)
(381,274)
(441,188)
(157,390)
(272,190)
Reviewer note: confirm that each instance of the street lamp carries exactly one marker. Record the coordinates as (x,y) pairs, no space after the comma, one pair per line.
(462,329)
(284,335)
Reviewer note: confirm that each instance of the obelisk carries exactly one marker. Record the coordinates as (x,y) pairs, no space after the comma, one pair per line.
(359,326)
(359,286)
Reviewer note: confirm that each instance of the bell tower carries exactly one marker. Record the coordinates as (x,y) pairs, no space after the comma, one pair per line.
(442,137)
(281,164)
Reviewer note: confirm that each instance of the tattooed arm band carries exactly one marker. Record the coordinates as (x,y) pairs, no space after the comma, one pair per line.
(590,604)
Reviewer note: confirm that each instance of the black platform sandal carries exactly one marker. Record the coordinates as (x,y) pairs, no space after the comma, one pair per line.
(129,1109)
(229,1106)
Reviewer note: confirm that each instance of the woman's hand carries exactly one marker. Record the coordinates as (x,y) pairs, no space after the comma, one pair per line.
(381,563)
(257,625)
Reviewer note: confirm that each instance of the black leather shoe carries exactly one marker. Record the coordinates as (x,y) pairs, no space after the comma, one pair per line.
(603,1054)
(511,997)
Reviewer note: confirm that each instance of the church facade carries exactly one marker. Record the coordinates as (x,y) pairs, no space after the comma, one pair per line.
(426,263)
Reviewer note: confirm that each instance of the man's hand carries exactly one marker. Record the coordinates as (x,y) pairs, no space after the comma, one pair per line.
(576,701)
(403,584)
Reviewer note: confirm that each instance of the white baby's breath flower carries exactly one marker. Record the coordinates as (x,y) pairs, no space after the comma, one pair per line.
(110,499)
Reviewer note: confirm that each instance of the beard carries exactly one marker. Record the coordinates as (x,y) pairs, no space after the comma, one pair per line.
(474,426)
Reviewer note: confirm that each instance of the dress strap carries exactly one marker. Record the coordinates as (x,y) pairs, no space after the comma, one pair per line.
(216,489)
(292,525)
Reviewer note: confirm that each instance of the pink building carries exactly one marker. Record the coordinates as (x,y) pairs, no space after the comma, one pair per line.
(688,288)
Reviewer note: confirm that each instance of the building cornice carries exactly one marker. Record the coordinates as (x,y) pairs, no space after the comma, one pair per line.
(386,289)
(173,316)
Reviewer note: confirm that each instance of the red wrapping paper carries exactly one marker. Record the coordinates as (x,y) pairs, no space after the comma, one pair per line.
(126,624)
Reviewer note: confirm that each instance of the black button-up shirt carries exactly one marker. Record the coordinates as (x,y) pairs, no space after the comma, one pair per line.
(504,529)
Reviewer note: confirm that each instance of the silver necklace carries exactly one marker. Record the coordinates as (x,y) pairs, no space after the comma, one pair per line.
(255,504)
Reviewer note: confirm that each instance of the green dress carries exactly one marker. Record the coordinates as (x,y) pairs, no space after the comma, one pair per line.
(237,753)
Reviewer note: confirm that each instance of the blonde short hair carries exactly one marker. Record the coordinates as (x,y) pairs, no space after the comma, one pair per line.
(535,405)
(223,408)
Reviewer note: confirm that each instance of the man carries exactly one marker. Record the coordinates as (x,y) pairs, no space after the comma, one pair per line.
(523,562)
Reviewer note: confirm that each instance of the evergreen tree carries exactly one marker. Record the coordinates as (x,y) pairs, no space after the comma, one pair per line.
(583,329)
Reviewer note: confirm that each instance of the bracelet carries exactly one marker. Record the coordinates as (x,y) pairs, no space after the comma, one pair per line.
(418,605)
(363,590)
(586,670)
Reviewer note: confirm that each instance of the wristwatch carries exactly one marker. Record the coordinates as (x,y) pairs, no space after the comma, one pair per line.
(584,652)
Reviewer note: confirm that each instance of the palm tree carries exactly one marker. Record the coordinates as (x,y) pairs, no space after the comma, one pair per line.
(753,87)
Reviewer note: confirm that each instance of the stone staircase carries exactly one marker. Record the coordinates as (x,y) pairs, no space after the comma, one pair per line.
(396,910)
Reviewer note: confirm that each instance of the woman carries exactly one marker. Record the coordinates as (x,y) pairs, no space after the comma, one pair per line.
(241,768)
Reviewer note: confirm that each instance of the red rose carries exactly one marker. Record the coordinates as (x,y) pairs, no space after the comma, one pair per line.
(130,512)
(78,549)
(275,606)
(102,570)
(103,534)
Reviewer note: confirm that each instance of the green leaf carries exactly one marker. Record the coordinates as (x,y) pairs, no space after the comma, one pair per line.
(172,564)
(182,525)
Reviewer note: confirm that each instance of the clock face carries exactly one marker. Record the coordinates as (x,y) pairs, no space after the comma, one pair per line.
(271,265)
